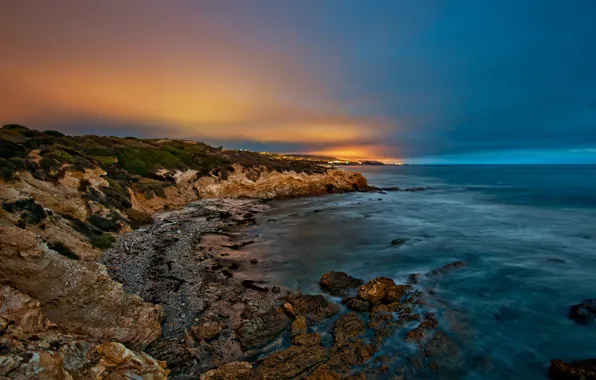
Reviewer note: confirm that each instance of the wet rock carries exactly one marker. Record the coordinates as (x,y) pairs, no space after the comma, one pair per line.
(339,283)
(577,370)
(584,312)
(234,266)
(419,333)
(556,260)
(264,320)
(294,363)
(276,289)
(357,304)
(382,289)
(314,307)
(420,188)
(254,261)
(207,331)
(415,278)
(398,241)
(299,326)
(347,327)
(313,339)
(230,371)
(250,284)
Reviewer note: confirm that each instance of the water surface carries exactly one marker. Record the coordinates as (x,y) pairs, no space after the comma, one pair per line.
(526,233)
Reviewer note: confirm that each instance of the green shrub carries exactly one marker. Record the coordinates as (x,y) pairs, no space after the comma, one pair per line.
(104,224)
(138,218)
(151,188)
(33,212)
(54,133)
(63,250)
(104,241)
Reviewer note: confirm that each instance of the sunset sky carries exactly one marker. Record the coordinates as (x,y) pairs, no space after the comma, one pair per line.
(460,81)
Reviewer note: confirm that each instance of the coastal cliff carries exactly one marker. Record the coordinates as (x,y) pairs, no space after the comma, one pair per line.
(65,199)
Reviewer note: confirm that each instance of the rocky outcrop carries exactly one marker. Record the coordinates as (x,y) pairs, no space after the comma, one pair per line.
(33,347)
(314,307)
(272,184)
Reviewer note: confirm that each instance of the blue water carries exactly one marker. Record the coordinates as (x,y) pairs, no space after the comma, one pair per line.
(526,233)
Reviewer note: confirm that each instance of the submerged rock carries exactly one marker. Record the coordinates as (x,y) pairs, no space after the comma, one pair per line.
(398,241)
(577,370)
(339,283)
(584,312)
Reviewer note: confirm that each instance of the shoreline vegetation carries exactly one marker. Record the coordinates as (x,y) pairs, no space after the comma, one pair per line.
(123,258)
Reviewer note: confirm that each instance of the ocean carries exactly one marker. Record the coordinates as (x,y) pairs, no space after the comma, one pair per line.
(526,233)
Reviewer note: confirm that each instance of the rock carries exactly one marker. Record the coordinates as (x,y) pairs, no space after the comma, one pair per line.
(577,370)
(348,327)
(234,266)
(398,241)
(230,371)
(429,323)
(324,372)
(264,320)
(77,295)
(250,284)
(415,278)
(299,326)
(358,304)
(294,363)
(313,339)
(339,283)
(254,261)
(314,307)
(420,188)
(584,312)
(35,348)
(276,289)
(382,289)
(207,331)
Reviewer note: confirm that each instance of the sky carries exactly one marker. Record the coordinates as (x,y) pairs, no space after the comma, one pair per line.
(495,81)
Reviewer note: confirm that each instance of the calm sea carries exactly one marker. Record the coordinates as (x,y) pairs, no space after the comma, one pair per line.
(526,233)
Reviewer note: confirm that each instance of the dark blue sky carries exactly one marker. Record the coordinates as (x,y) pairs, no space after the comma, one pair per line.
(427,81)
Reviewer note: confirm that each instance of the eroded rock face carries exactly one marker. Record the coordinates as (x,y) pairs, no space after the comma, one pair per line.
(339,283)
(35,348)
(241,184)
(577,370)
(78,296)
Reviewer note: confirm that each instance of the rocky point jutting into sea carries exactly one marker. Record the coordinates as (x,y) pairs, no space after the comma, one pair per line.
(128,258)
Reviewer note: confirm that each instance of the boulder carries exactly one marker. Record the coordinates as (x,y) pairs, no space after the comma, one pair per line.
(339,283)
(398,242)
(263,320)
(584,312)
(382,289)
